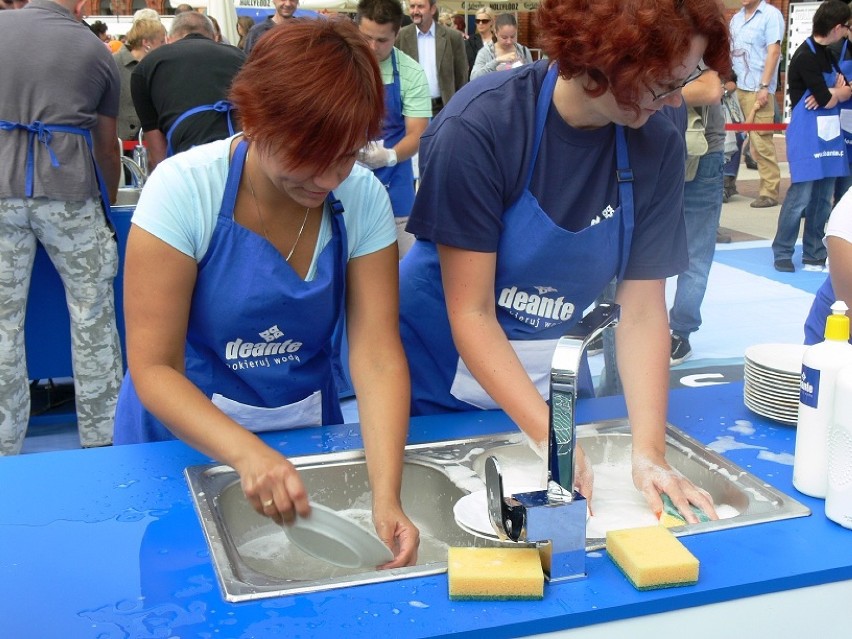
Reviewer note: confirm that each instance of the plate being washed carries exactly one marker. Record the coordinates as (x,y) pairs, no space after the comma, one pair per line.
(328,535)
(471,512)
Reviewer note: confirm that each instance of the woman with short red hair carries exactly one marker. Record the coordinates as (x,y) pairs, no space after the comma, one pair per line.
(244,256)
(539,186)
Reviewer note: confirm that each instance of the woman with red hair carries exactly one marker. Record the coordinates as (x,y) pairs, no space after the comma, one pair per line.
(539,186)
(244,256)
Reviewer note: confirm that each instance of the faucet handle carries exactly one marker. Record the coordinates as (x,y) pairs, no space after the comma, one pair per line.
(507,518)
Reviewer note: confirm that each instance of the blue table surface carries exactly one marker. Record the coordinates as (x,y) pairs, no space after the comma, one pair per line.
(105,543)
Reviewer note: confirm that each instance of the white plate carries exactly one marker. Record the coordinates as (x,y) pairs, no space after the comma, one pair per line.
(326,534)
(784,358)
(471,511)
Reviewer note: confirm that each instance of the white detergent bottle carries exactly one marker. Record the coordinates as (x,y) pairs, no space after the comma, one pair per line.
(838,500)
(820,365)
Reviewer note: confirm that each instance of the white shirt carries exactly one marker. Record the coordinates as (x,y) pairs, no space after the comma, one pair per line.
(426,58)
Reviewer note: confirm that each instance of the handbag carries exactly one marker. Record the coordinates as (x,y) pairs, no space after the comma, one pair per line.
(696,142)
(733,115)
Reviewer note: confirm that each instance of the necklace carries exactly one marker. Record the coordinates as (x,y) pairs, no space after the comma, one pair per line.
(260,217)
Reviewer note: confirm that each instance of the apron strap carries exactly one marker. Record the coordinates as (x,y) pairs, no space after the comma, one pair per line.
(624,176)
(43,133)
(542,106)
(222,106)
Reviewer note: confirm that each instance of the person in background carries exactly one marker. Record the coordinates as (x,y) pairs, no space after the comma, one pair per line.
(144,36)
(145,14)
(100,29)
(13,4)
(503,54)
(439,50)
(183,8)
(58,108)
(243,256)
(756,34)
(407,110)
(284,10)
(244,25)
(529,223)
(459,25)
(816,158)
(838,284)
(178,90)
(702,208)
(484,20)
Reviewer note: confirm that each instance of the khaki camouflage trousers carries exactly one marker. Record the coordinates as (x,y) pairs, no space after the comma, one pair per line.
(82,248)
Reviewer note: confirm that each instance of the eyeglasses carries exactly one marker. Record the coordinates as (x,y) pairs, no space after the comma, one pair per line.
(483,20)
(847,26)
(691,78)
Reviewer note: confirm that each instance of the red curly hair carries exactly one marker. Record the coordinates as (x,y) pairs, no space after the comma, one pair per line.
(629,46)
(310,92)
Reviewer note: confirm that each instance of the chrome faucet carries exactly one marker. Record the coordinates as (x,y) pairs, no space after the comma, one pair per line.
(554,518)
(137,173)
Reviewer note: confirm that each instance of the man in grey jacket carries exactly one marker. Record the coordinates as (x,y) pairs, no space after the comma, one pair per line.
(439,50)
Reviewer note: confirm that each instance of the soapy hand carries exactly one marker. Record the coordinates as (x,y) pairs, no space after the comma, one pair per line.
(375,155)
(654,476)
(272,485)
(398,533)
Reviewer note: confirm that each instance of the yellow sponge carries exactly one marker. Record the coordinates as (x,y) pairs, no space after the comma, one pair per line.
(670,521)
(495,573)
(652,557)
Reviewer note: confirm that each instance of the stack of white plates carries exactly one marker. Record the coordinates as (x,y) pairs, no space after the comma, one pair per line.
(772,375)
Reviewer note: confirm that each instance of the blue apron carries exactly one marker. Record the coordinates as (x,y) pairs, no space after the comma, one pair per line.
(222,106)
(846,107)
(43,133)
(258,342)
(399,179)
(815,145)
(545,278)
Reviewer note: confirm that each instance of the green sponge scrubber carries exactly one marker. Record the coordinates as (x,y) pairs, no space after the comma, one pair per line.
(670,509)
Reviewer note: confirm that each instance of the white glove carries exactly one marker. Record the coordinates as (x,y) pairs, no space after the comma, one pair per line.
(376,156)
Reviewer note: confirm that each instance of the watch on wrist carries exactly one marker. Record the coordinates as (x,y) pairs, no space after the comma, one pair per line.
(763,86)
(391,157)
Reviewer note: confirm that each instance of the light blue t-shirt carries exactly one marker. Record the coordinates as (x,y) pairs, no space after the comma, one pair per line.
(180,204)
(749,40)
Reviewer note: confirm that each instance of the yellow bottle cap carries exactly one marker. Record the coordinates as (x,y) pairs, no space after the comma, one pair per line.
(837,324)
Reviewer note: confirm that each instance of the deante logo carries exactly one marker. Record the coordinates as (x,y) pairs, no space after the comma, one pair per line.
(538,306)
(241,354)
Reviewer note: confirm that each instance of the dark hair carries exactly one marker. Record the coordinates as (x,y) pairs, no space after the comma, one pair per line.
(381,12)
(828,15)
(98,28)
(627,46)
(330,108)
(505,20)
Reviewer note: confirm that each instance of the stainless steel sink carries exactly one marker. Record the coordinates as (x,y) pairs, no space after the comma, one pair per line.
(253,557)
(127,196)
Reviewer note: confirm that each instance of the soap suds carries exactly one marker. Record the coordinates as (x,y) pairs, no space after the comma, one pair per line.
(781,458)
(743,427)
(727,442)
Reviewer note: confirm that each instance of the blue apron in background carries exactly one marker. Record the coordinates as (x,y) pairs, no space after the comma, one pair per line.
(43,133)
(815,145)
(259,339)
(545,278)
(399,179)
(846,107)
(820,310)
(222,106)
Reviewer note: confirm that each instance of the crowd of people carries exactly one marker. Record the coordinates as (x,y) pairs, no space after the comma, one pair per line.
(543,187)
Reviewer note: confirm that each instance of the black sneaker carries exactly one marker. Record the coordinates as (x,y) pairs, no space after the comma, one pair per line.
(681,350)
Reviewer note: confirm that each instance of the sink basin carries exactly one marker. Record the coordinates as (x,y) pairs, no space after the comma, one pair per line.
(254,559)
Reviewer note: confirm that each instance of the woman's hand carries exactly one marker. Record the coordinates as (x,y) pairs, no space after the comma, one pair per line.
(272,485)
(584,476)
(654,476)
(507,58)
(398,533)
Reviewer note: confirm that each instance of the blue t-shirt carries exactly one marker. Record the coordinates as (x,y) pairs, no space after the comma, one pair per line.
(475,156)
